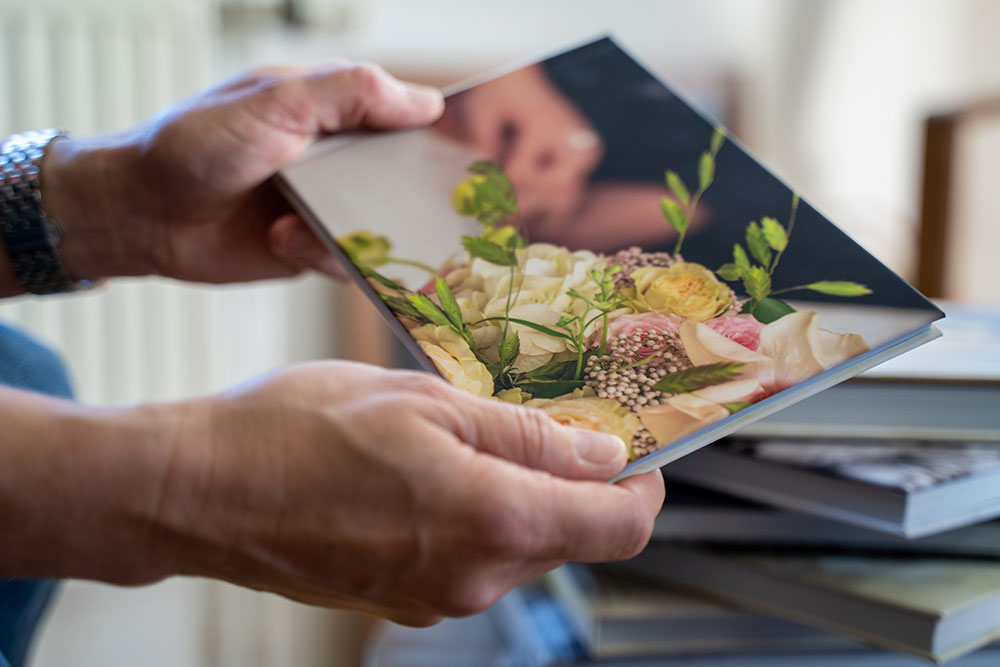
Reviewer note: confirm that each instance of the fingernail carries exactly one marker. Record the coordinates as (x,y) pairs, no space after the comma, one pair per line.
(598,448)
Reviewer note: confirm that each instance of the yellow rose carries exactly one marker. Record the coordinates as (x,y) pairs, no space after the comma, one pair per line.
(583,410)
(685,289)
(451,355)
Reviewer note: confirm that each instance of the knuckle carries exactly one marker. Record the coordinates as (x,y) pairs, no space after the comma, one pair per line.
(503,529)
(425,384)
(263,75)
(472,595)
(368,79)
(533,429)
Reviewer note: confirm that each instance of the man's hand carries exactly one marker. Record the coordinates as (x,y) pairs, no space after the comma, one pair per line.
(332,483)
(187,195)
(346,485)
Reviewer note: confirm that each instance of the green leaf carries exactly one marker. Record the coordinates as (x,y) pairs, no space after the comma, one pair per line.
(730,272)
(369,272)
(674,214)
(717,138)
(550,388)
(759,248)
(565,321)
(774,233)
(553,370)
(509,349)
(697,377)
(402,306)
(429,309)
(735,406)
(491,252)
(769,310)
(757,283)
(530,325)
(448,303)
(838,288)
(677,187)
(706,170)
(740,257)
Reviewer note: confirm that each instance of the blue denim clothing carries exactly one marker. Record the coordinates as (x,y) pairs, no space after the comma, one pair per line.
(26,364)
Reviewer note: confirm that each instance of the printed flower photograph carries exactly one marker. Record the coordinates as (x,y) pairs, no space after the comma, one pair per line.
(573,237)
(648,346)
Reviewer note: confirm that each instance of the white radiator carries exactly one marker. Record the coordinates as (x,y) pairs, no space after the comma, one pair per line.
(99,65)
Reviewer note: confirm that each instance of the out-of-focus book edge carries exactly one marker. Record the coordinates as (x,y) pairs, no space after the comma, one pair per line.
(938,610)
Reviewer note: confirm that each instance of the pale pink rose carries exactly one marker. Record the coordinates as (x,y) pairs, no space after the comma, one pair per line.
(743,329)
(628,323)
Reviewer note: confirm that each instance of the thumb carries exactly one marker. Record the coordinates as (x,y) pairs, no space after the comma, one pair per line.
(367,96)
(295,244)
(531,438)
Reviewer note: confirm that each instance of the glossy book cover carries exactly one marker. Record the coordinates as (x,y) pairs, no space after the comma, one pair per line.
(574,237)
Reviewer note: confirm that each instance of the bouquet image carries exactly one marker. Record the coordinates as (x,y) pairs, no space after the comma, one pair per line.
(650,346)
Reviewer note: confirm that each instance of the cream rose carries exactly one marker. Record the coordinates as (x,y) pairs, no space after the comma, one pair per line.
(538,290)
(685,289)
(451,355)
(581,409)
(792,349)
(680,416)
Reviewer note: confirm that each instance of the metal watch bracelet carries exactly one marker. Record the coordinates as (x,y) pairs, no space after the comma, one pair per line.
(30,236)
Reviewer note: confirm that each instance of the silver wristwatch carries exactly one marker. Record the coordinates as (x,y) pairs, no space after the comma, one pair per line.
(30,236)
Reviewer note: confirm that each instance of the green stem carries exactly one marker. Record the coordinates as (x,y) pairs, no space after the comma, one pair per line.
(578,341)
(641,362)
(789,289)
(506,310)
(412,262)
(604,336)
(693,207)
(788,234)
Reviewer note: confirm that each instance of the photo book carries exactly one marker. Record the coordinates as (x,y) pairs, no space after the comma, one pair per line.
(573,236)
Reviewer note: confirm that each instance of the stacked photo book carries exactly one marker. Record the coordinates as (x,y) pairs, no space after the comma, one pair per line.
(814,540)
(574,237)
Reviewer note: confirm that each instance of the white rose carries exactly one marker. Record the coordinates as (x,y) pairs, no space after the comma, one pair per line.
(537,293)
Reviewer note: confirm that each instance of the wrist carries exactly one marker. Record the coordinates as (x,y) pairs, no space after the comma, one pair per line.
(80,488)
(86,188)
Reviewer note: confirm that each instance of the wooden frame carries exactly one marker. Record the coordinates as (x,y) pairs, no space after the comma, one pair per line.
(938,193)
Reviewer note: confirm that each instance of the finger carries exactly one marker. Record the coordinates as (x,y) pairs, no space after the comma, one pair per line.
(367,96)
(531,438)
(589,521)
(293,242)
